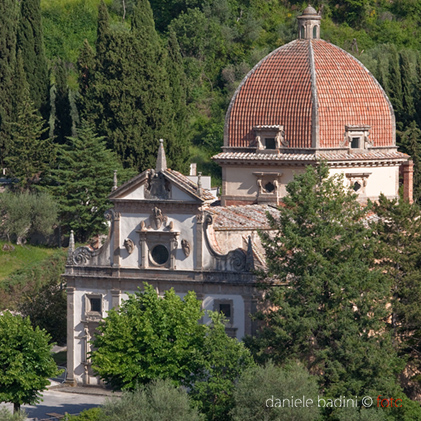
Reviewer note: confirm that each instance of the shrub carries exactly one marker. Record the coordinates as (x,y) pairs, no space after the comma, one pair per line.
(160,400)
(260,387)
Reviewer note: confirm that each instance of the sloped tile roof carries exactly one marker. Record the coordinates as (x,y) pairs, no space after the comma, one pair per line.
(369,155)
(304,82)
(189,185)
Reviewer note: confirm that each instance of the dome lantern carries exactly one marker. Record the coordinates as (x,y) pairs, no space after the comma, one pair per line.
(309,24)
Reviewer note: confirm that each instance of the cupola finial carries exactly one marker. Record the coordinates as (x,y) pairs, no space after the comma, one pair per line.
(161,160)
(309,24)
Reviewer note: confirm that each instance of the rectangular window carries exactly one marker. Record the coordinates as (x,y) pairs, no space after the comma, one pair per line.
(355,143)
(270,143)
(95,304)
(225,309)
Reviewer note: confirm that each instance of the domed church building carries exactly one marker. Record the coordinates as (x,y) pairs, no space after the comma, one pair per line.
(308,101)
(305,102)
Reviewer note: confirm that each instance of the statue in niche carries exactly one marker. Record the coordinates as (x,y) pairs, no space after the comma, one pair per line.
(158,217)
(129,245)
(185,245)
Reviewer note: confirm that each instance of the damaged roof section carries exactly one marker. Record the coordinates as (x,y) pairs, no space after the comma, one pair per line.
(245,217)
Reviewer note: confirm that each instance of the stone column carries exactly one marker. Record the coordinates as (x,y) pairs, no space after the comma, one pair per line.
(70,337)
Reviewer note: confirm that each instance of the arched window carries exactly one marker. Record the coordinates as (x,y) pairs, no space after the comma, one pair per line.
(315,32)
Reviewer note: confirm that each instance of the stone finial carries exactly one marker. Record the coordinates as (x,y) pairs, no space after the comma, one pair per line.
(249,256)
(115,181)
(71,248)
(161,160)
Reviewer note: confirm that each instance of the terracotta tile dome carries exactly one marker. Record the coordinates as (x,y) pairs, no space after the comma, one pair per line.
(313,89)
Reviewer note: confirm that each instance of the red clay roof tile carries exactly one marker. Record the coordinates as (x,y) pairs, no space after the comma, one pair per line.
(278,91)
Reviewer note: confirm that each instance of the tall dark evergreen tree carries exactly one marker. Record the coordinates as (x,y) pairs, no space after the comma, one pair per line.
(82,199)
(8,22)
(325,301)
(417,90)
(128,97)
(399,244)
(30,41)
(30,154)
(86,68)
(63,118)
(179,149)
(395,85)
(103,29)
(407,88)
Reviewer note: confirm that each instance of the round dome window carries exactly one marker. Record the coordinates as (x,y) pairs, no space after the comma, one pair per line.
(160,254)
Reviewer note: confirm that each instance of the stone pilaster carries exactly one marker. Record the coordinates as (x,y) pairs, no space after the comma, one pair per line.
(70,336)
(116,239)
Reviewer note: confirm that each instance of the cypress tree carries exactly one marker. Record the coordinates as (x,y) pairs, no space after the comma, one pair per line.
(86,68)
(407,87)
(63,119)
(381,74)
(31,42)
(29,155)
(128,97)
(417,90)
(103,29)
(395,84)
(20,88)
(8,22)
(179,149)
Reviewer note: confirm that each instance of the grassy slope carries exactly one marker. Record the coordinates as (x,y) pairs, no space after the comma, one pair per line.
(22,256)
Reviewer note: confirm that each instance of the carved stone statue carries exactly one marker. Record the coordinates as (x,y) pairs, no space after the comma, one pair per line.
(158,217)
(129,245)
(185,245)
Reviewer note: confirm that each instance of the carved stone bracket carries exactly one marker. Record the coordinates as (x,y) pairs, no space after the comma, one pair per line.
(235,260)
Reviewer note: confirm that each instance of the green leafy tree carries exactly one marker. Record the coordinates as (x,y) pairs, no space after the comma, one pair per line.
(25,214)
(103,29)
(63,119)
(157,401)
(326,301)
(256,393)
(47,309)
(82,181)
(148,338)
(222,361)
(25,358)
(31,42)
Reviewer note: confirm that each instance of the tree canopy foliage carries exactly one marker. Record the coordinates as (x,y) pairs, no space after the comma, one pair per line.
(326,301)
(151,337)
(25,358)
